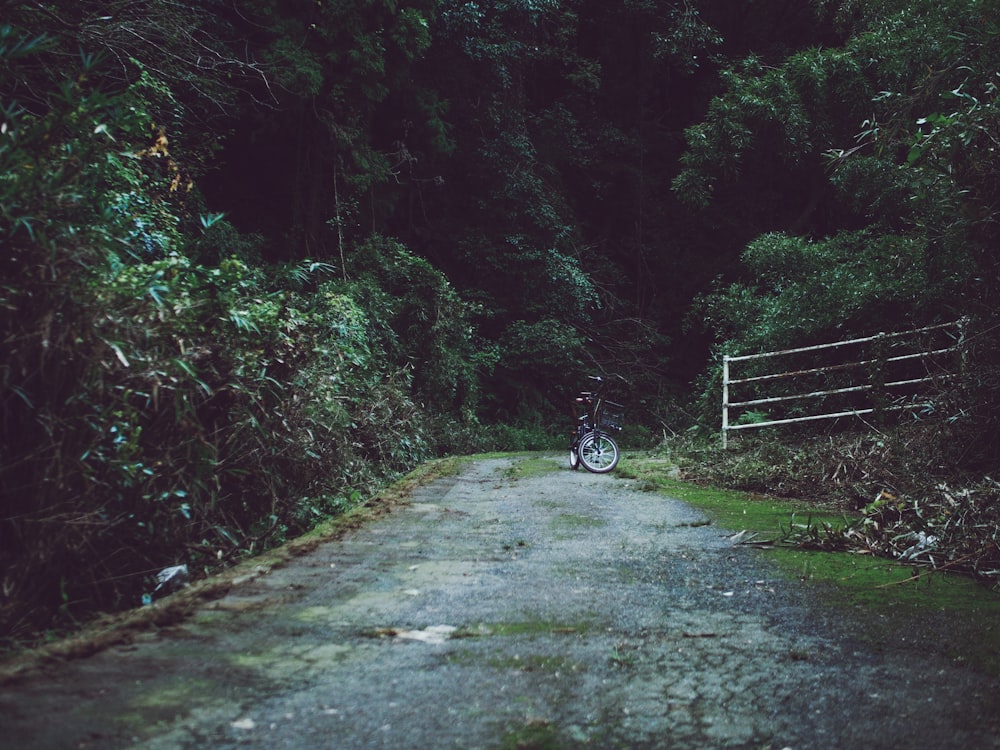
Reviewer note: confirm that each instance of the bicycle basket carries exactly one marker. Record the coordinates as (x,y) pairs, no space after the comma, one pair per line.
(612,416)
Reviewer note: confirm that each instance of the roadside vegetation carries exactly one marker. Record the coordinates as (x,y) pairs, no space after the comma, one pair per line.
(872,495)
(851,557)
(902,498)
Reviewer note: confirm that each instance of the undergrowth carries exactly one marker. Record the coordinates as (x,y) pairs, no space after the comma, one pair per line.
(894,491)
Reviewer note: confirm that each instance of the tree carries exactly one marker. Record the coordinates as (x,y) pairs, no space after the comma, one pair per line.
(777,128)
(909,202)
(324,165)
(165,396)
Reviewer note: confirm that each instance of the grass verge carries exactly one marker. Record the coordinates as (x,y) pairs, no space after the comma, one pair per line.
(894,605)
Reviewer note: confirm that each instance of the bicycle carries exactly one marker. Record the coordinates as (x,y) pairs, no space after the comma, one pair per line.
(591,443)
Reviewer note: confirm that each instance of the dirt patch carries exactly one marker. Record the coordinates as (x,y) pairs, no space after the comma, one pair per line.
(516,604)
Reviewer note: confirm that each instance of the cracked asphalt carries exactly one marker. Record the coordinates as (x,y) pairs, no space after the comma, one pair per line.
(517,604)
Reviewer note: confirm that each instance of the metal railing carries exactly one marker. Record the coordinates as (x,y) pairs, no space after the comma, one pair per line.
(876,386)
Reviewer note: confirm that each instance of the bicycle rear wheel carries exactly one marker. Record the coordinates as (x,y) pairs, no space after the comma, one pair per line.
(574,457)
(598,452)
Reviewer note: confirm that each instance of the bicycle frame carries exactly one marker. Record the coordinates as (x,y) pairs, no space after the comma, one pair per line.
(591,442)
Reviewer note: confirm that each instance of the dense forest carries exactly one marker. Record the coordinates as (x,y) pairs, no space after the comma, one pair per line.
(260,256)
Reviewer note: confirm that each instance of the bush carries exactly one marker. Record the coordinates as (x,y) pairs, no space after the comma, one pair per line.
(166,398)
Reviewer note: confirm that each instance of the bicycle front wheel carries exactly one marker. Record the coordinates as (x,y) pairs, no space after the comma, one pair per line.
(598,452)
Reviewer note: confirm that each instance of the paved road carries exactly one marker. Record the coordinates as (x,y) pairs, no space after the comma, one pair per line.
(517,605)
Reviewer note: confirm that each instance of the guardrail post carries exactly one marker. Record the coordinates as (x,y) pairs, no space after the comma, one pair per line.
(725,399)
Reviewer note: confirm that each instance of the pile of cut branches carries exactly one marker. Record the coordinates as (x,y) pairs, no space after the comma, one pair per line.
(943,529)
(904,492)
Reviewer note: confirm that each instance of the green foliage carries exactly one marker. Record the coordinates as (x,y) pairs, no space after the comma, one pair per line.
(916,180)
(166,398)
(548,348)
(420,324)
(339,68)
(781,115)
(803,290)
(689,39)
(522,184)
(217,410)
(48,156)
(59,167)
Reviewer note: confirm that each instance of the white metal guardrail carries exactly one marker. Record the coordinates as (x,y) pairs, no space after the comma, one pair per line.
(879,362)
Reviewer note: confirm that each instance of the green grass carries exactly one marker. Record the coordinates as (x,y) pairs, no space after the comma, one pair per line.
(532,466)
(520,628)
(576,521)
(731,510)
